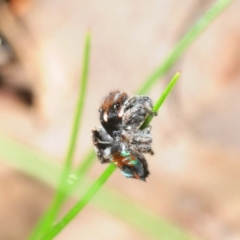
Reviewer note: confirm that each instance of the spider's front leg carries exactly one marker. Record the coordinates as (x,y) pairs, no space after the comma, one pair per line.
(142,140)
(136,110)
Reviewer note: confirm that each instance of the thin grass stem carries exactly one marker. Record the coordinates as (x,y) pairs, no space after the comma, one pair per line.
(80,204)
(183,44)
(161,100)
(61,194)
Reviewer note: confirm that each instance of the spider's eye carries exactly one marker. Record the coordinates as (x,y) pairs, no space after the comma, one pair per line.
(117,106)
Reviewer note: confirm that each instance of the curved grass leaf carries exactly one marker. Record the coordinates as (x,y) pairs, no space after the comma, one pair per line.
(183,44)
(60,195)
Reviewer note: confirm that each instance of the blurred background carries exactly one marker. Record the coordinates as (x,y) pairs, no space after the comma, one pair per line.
(195,172)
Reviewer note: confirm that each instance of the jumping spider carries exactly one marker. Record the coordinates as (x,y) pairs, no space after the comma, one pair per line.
(120,139)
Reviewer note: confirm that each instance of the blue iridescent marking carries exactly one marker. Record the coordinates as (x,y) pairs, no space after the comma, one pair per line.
(125,153)
(134,162)
(128,175)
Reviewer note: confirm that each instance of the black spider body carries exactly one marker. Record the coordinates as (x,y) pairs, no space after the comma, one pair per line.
(120,140)
(111,111)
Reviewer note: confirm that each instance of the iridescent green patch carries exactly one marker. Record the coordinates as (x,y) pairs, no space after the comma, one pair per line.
(125,153)
(134,162)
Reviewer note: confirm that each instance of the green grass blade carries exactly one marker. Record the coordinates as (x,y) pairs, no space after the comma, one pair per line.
(60,196)
(80,103)
(81,204)
(102,179)
(161,100)
(184,43)
(145,221)
(29,161)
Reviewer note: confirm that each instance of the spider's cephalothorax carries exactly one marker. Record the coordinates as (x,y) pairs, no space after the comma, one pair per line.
(120,139)
(111,111)
(119,112)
